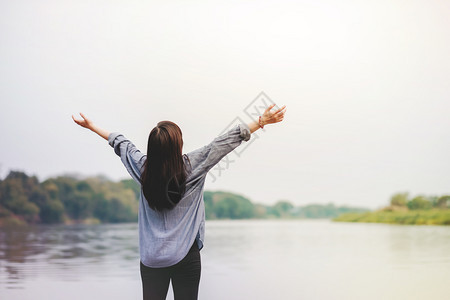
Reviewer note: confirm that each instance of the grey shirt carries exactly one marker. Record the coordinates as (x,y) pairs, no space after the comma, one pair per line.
(166,237)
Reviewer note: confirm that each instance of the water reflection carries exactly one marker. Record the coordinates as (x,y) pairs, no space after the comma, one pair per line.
(64,251)
(413,246)
(298,259)
(319,259)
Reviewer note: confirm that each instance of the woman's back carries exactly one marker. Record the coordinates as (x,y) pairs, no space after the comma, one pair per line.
(166,236)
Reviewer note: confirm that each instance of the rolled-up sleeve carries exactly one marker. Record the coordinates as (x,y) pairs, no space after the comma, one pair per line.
(130,156)
(203,159)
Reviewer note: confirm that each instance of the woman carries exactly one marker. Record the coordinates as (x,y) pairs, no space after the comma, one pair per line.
(171,214)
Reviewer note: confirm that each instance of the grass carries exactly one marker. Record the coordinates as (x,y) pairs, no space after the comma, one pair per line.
(409,217)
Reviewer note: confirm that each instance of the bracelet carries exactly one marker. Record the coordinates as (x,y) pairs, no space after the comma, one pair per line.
(260,123)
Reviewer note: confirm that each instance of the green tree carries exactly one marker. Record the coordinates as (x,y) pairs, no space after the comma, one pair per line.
(14,196)
(132,185)
(419,202)
(282,209)
(209,206)
(399,199)
(52,211)
(443,202)
(231,206)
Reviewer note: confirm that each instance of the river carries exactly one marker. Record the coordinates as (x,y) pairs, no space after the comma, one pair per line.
(248,259)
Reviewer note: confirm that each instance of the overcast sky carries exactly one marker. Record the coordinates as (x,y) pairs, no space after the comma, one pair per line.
(366,84)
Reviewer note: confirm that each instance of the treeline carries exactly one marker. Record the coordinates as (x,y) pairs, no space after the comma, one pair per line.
(403,209)
(402,201)
(23,199)
(66,199)
(225,205)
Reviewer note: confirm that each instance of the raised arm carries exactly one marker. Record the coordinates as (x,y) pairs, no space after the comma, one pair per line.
(131,157)
(204,158)
(86,123)
(268,117)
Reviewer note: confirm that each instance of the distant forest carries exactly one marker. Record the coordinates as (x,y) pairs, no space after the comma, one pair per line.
(93,200)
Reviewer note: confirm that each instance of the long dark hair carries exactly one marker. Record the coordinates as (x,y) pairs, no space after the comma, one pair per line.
(163,178)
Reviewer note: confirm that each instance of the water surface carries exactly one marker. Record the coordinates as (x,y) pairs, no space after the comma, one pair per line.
(299,259)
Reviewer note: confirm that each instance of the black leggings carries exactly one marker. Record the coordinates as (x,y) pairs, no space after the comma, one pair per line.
(185,277)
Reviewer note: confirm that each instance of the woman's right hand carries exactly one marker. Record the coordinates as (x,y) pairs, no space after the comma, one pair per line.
(86,123)
(270,117)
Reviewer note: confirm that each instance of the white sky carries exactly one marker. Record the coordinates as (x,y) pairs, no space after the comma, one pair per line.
(366,84)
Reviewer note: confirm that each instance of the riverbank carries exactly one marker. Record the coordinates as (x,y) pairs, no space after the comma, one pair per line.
(407,217)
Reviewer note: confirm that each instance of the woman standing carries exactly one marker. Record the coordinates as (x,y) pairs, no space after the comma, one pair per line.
(171,214)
